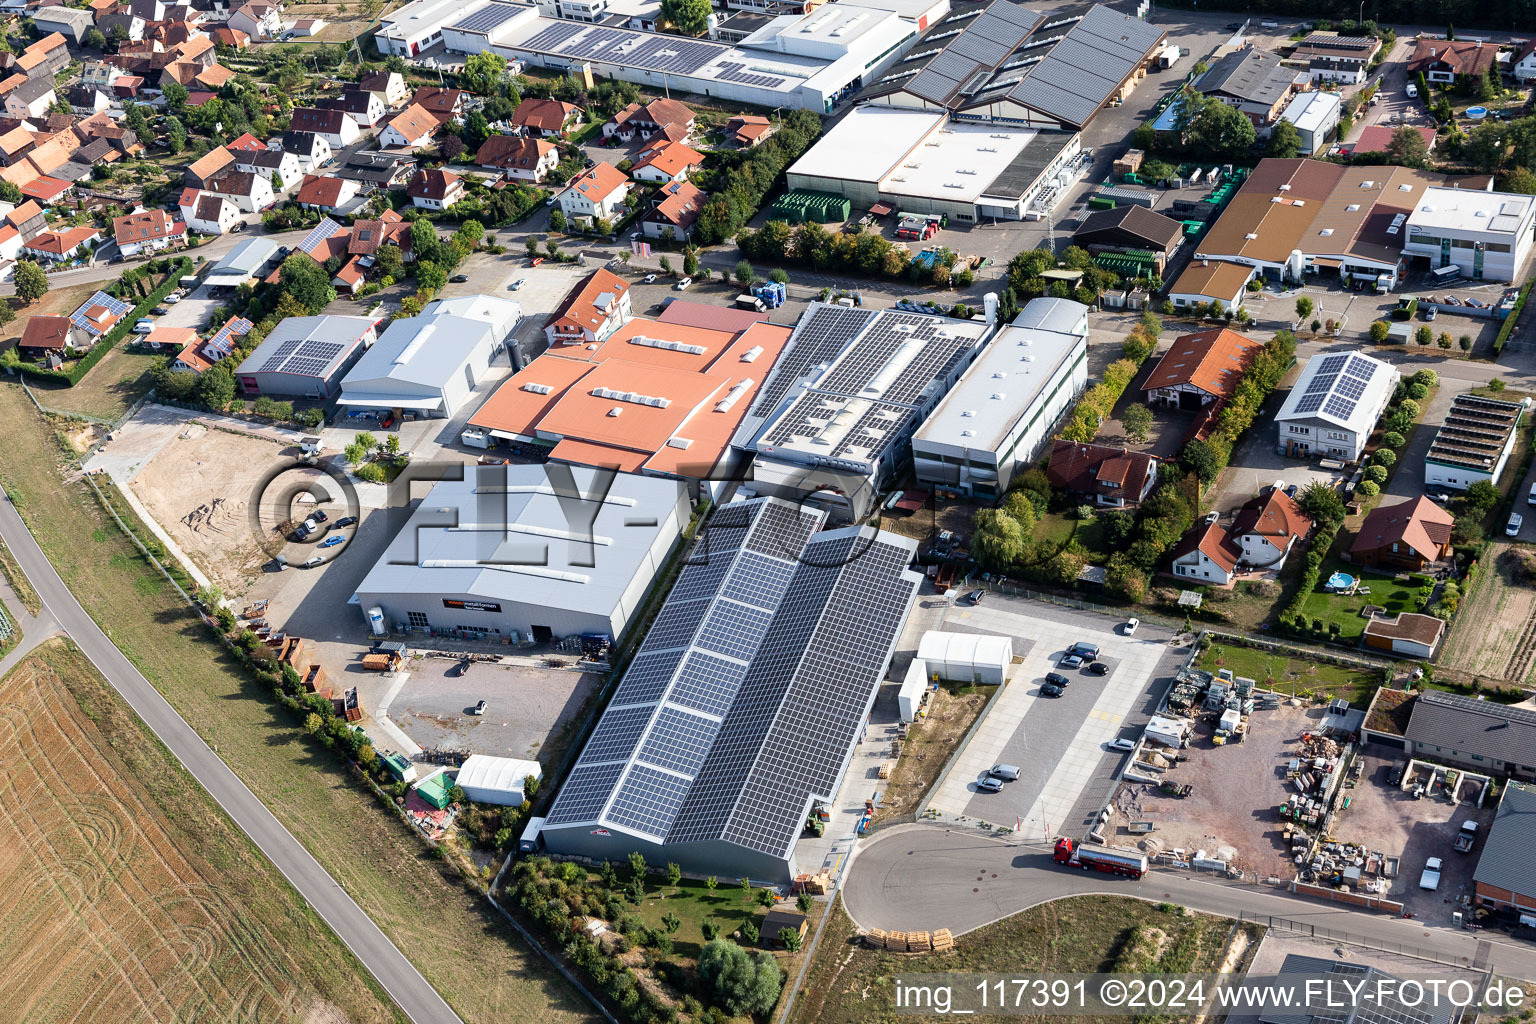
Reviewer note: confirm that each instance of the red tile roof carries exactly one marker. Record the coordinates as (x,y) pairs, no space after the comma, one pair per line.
(599,181)
(433,184)
(581,308)
(513,151)
(1087,468)
(146,226)
(545,115)
(1275,516)
(1462,57)
(1213,361)
(46,332)
(414,122)
(1420,524)
(319,190)
(1213,541)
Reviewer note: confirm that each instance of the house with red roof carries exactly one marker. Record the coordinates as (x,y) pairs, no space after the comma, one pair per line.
(325,193)
(1206,554)
(548,119)
(748,130)
(412,128)
(598,192)
(59,246)
(1447,60)
(518,157)
(667,162)
(1201,368)
(675,213)
(1406,536)
(207,214)
(148,231)
(435,189)
(51,334)
(1100,474)
(1268,527)
(646,119)
(594,309)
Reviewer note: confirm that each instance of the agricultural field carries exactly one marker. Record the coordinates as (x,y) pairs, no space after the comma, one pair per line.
(458,941)
(1494,635)
(850,982)
(130,897)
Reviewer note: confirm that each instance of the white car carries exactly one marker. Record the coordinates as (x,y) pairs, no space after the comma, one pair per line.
(518,284)
(1131,626)
(313,561)
(1512,528)
(172,299)
(1530,499)
(1122,744)
(1430,879)
(682,285)
(648,279)
(144,327)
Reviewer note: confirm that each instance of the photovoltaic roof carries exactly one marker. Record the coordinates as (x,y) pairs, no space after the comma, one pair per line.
(487,18)
(746,697)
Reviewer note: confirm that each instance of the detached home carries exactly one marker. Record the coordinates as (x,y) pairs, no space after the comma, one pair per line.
(548,119)
(325,193)
(518,157)
(59,246)
(311,150)
(31,98)
(1105,476)
(148,231)
(1207,554)
(364,107)
(1267,528)
(269,162)
(249,192)
(1334,406)
(668,162)
(412,128)
(1404,537)
(207,214)
(1446,61)
(675,213)
(51,334)
(257,19)
(388,86)
(598,192)
(435,189)
(336,127)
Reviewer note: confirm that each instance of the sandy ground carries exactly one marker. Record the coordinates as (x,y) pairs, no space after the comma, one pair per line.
(199,486)
(1395,824)
(1495,634)
(1231,813)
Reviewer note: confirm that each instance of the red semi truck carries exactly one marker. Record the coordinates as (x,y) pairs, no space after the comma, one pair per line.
(1109,859)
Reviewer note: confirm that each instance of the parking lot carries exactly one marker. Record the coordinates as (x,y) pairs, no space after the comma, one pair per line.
(1059,743)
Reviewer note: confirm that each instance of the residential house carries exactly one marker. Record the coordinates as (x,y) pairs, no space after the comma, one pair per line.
(1406,634)
(442,103)
(518,157)
(1446,61)
(148,231)
(592,311)
(1504,877)
(1266,528)
(748,130)
(366,108)
(646,119)
(70,22)
(1406,536)
(52,50)
(245,143)
(381,170)
(10,242)
(99,313)
(388,86)
(668,162)
(675,214)
(1101,475)
(123,140)
(325,193)
(251,193)
(1334,405)
(412,128)
(311,150)
(28,220)
(44,335)
(1330,57)
(233,38)
(207,214)
(16,143)
(149,10)
(546,119)
(1207,554)
(60,246)
(1489,737)
(269,162)
(208,166)
(435,189)
(1211,281)
(31,98)
(83,99)
(1254,81)
(598,192)
(336,127)
(129,26)
(1200,368)
(1522,64)
(257,19)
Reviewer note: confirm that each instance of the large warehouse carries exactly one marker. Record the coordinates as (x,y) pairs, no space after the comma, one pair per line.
(998,416)
(305,356)
(426,366)
(831,422)
(920,161)
(742,708)
(534,561)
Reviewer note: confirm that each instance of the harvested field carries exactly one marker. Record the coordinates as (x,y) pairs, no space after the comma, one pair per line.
(130,897)
(1494,635)
(929,745)
(199,487)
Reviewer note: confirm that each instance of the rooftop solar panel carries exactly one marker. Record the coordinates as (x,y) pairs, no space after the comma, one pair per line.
(617,734)
(1332,364)
(648,801)
(487,18)
(707,683)
(584,793)
(679,741)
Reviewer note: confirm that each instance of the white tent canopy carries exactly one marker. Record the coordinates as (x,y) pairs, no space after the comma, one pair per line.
(966,657)
(496,780)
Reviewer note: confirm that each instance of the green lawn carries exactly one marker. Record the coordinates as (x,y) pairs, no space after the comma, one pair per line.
(693,904)
(1056,529)
(1292,675)
(1345,610)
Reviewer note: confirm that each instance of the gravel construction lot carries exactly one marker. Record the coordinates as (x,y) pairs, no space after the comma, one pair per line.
(1396,824)
(1231,813)
(528,710)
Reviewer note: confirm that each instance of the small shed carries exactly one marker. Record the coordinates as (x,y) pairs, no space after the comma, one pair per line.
(966,657)
(496,780)
(434,788)
(776,920)
(909,697)
(400,767)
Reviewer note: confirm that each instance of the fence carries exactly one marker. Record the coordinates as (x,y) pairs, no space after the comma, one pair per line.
(1087,606)
(1354,899)
(1291,650)
(111,425)
(1313,930)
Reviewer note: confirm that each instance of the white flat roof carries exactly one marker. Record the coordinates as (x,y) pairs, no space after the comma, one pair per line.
(867,144)
(1007,377)
(1467,210)
(425,15)
(483,771)
(1310,110)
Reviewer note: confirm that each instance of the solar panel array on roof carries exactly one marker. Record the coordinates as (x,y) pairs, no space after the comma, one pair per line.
(818,338)
(1336,384)
(487,18)
(318,234)
(804,624)
(647,50)
(81,317)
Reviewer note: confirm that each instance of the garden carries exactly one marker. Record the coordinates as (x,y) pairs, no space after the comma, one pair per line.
(1304,677)
(1340,613)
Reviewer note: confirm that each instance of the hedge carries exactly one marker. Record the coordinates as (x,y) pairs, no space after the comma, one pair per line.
(1509,322)
(73,375)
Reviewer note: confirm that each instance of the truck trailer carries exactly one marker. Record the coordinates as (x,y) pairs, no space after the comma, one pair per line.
(1111,860)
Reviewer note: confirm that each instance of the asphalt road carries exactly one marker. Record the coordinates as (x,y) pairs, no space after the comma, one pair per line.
(921,877)
(367,942)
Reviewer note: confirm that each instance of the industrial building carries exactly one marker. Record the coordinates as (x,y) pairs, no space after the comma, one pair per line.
(1504,876)
(305,356)
(1334,406)
(661,397)
(426,366)
(741,710)
(1315,116)
(1473,443)
(999,62)
(1487,234)
(815,60)
(1000,413)
(245,263)
(832,421)
(1483,735)
(922,161)
(519,550)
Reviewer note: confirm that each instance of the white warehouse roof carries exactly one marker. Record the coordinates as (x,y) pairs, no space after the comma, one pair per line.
(1345,390)
(421,352)
(940,648)
(483,777)
(502,314)
(1310,111)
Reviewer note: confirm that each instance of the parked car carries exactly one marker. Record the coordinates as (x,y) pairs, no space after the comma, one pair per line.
(989,784)
(1430,312)
(331,542)
(1121,744)
(1006,772)
(159,311)
(648,279)
(1098,668)
(1087,651)
(479,708)
(517,285)
(1395,776)
(143,327)
(975,596)
(1512,528)
(459,278)
(172,299)
(318,515)
(346,521)
(551,200)
(1430,879)
(1051,690)
(1056,678)
(1070,661)
(682,285)
(313,561)
(1530,499)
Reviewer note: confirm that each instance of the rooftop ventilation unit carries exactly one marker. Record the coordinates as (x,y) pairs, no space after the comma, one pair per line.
(668,344)
(537,389)
(751,354)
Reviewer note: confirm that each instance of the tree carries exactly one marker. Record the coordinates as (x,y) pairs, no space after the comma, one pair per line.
(790,938)
(711,882)
(476,128)
(1520,180)
(176,96)
(451,147)
(31,282)
(1221,130)
(430,277)
(216,387)
(1484,148)
(1321,503)
(637,865)
(1496,385)
(1200,459)
(11,193)
(1408,148)
(94,40)
(746,889)
(690,263)
(805,901)
(674,875)
(1137,420)
(1423,335)
(424,241)
(307,282)
(738,981)
(689,17)
(999,539)
(1284,141)
(389,260)
(1380,331)
(557,219)
(175,134)
(482,71)
(1304,308)
(671,922)
(744,273)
